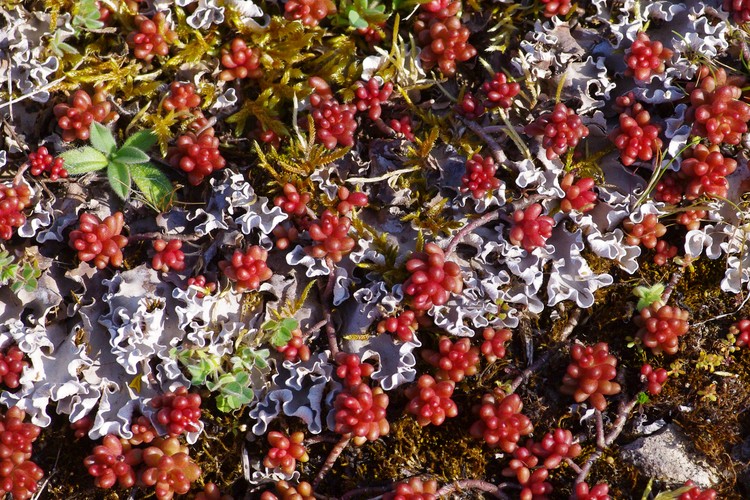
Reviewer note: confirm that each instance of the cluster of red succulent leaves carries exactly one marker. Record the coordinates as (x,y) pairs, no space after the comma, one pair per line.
(18,474)
(360,411)
(145,458)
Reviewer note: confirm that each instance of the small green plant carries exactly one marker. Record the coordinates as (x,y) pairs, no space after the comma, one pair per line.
(20,274)
(125,165)
(648,295)
(233,384)
(362,13)
(86,16)
(281,331)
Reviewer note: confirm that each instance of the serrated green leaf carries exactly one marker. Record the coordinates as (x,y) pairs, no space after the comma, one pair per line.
(119,179)
(101,138)
(16,286)
(31,285)
(154,185)
(130,155)
(142,140)
(83,160)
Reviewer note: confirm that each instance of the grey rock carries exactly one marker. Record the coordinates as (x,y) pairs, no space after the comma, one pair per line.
(670,457)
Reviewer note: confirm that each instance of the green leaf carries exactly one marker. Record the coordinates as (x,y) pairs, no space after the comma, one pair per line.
(356,21)
(290,324)
(200,372)
(154,185)
(648,295)
(270,325)
(101,138)
(142,140)
(119,179)
(130,155)
(83,160)
(233,397)
(9,273)
(281,337)
(642,398)
(27,272)
(93,24)
(235,394)
(31,285)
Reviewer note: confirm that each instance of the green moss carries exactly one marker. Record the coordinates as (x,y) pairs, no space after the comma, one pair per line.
(446,452)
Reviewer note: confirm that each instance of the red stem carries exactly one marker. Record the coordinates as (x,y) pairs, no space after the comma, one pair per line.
(474,484)
(331,459)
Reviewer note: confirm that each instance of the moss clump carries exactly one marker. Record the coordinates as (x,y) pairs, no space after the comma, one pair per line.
(446,452)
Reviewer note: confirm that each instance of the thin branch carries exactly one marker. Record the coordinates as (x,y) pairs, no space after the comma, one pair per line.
(468,228)
(548,353)
(495,149)
(327,294)
(385,176)
(673,281)
(317,326)
(474,484)
(622,418)
(599,430)
(572,323)
(573,465)
(365,491)
(331,459)
(161,236)
(604,441)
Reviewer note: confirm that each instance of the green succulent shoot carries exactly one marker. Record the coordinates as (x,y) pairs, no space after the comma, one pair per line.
(125,165)
(648,295)
(361,13)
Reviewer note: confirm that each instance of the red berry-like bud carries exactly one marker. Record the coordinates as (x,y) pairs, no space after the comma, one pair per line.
(247,269)
(432,278)
(560,129)
(240,61)
(75,118)
(330,235)
(501,422)
(198,156)
(661,326)
(590,374)
(646,57)
(500,92)
(151,38)
(531,229)
(100,241)
(168,256)
(480,176)
(431,401)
